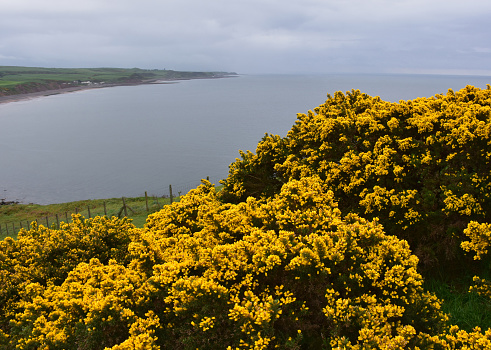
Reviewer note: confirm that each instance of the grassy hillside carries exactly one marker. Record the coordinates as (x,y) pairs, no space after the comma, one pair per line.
(15,80)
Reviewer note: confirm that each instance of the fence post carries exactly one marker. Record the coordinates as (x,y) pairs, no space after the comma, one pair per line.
(170,194)
(124,207)
(88,209)
(146,200)
(105,211)
(66,217)
(6,226)
(13,228)
(47,222)
(57,222)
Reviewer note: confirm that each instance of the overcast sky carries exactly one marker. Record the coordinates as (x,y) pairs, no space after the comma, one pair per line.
(251,36)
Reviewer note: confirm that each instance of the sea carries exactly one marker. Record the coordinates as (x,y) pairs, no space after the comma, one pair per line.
(128,140)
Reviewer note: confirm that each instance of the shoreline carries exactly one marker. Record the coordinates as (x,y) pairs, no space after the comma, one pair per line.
(45,93)
(32,95)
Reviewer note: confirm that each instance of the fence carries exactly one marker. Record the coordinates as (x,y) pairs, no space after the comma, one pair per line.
(137,206)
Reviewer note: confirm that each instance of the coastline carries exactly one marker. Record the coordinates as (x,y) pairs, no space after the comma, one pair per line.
(44,93)
(32,95)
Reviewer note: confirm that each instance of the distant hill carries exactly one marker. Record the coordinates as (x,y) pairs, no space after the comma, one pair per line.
(22,80)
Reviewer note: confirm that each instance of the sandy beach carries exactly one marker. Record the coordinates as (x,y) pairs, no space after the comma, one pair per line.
(31,95)
(21,97)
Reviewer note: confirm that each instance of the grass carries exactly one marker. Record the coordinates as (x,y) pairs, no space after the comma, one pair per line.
(8,83)
(465,309)
(12,76)
(15,216)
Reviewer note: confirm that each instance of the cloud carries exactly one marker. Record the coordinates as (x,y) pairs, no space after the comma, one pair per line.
(6,57)
(482,49)
(248,36)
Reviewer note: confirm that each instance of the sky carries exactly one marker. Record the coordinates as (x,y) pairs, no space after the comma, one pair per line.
(251,36)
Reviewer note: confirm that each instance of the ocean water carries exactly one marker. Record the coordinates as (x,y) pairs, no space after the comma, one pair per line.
(126,140)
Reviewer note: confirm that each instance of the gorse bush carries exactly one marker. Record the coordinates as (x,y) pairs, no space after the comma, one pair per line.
(422,167)
(308,247)
(46,256)
(286,272)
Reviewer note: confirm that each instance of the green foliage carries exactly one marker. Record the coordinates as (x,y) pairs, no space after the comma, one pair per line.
(463,308)
(17,214)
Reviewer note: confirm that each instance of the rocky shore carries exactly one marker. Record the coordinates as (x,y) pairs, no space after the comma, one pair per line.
(4,202)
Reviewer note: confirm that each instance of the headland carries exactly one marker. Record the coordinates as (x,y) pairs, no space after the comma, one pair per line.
(21,83)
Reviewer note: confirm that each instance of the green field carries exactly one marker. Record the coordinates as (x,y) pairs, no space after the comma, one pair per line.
(13,76)
(15,216)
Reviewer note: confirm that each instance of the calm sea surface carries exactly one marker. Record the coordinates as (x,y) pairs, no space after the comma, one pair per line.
(126,140)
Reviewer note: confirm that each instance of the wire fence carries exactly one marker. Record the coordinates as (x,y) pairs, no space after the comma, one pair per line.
(119,207)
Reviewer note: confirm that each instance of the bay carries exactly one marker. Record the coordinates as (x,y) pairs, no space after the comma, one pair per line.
(123,141)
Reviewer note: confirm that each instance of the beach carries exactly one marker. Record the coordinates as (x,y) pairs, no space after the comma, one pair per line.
(31,95)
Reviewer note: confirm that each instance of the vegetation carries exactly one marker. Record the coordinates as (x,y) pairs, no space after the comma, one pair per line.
(16,215)
(309,245)
(422,167)
(16,80)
